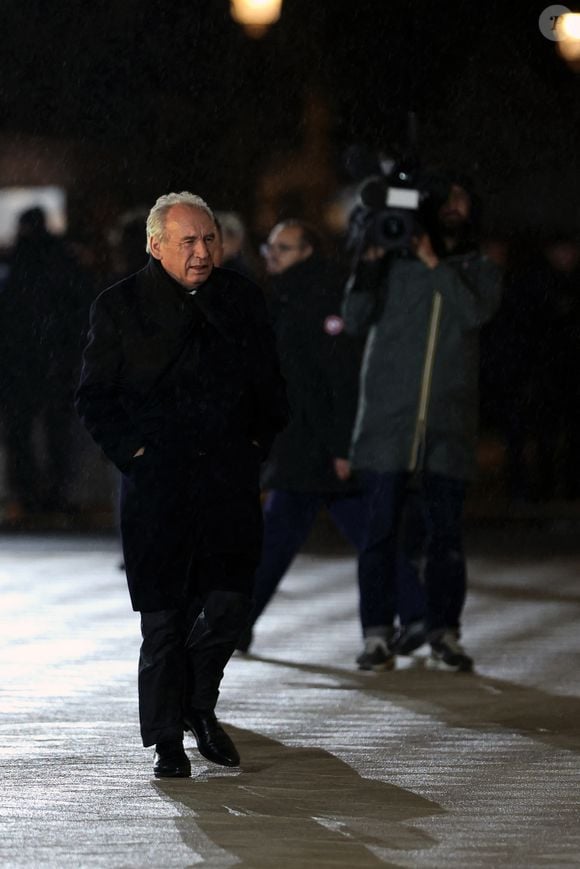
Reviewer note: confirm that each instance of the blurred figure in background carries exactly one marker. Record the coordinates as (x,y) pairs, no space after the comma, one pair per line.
(308,468)
(534,343)
(235,254)
(128,253)
(493,353)
(510,366)
(558,428)
(43,307)
(218,253)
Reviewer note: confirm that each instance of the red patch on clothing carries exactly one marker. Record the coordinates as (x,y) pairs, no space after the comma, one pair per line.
(333,325)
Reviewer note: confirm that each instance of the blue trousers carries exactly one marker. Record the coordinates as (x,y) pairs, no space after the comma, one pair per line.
(288,519)
(445,572)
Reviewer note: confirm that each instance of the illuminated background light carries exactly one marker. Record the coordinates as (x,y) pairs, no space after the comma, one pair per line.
(568,44)
(256,16)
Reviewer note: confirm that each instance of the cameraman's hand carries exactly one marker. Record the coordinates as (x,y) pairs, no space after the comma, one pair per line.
(373,253)
(342,469)
(423,250)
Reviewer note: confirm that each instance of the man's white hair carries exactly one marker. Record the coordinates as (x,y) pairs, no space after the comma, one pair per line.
(158,214)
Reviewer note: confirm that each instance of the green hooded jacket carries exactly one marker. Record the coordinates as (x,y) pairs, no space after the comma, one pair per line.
(393,300)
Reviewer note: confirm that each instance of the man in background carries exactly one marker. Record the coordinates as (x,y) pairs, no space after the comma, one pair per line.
(43,308)
(233,242)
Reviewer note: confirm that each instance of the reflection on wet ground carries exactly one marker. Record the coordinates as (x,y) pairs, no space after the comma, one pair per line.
(339,768)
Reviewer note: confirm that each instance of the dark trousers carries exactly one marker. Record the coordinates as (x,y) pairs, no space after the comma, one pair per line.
(182,660)
(288,519)
(445,573)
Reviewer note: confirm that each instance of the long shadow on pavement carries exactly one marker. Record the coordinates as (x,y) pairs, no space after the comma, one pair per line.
(462,699)
(294,807)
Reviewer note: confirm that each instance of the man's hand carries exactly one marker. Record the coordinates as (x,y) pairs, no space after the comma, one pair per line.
(139,452)
(373,253)
(423,250)
(342,469)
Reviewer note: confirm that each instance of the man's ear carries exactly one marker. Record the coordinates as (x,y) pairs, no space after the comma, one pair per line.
(155,247)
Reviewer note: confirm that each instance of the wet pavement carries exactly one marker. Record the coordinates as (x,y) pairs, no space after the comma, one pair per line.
(339,768)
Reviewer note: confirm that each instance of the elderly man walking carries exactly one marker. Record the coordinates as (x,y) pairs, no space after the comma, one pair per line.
(181,389)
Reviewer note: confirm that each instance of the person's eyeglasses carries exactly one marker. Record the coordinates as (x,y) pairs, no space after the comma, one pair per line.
(279,247)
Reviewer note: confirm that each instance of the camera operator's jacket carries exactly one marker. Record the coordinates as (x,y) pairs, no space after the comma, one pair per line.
(392,299)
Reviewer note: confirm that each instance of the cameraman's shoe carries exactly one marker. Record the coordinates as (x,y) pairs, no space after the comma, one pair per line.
(408,637)
(376,655)
(447,653)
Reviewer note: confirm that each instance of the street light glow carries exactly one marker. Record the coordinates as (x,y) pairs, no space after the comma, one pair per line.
(568,26)
(256,15)
(568,44)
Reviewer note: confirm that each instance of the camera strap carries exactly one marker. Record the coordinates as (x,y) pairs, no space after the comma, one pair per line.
(417,457)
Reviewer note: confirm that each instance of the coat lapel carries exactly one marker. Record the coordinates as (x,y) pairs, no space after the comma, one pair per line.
(212,300)
(167,307)
(164,307)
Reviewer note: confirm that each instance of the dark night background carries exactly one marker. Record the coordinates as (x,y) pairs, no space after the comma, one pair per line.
(151,96)
(119,102)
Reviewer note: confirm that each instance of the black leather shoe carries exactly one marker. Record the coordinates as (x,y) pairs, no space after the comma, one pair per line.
(212,740)
(171,761)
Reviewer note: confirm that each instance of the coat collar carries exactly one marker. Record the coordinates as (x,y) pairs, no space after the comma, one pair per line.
(171,306)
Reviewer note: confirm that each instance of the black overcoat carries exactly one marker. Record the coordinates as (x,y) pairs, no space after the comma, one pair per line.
(195,380)
(320,363)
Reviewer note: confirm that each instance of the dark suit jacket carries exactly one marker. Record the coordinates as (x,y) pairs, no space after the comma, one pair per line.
(161,362)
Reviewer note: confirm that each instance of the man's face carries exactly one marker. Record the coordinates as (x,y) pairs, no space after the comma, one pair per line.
(285,248)
(456,209)
(187,248)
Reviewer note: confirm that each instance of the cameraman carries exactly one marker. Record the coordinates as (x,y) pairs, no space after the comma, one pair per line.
(391,294)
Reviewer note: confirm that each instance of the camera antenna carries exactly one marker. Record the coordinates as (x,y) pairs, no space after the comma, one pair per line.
(413,133)
(411,153)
